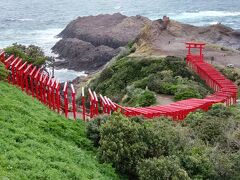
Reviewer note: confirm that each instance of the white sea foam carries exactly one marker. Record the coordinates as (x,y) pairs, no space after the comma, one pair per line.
(214,23)
(200,14)
(67,75)
(45,39)
(117,7)
(25,19)
(20,19)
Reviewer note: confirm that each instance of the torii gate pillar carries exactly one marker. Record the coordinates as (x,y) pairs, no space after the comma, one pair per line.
(195,45)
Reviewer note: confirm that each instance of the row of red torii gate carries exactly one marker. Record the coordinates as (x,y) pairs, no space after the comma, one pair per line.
(37,83)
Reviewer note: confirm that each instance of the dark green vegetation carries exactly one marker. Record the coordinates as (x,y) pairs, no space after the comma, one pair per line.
(36,143)
(135,81)
(207,148)
(32,54)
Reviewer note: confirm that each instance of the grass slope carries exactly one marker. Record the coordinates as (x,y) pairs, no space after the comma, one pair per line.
(36,143)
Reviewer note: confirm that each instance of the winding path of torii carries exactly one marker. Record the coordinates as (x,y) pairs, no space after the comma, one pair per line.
(37,83)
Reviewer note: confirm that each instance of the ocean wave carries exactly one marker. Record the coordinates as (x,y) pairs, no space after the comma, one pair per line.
(20,19)
(201,14)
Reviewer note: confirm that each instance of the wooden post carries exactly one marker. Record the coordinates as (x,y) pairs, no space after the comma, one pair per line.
(83,106)
(41,88)
(16,70)
(103,103)
(49,93)
(108,105)
(96,103)
(44,84)
(74,102)
(21,75)
(65,99)
(13,69)
(31,75)
(2,57)
(58,99)
(26,74)
(91,103)
(53,93)
(36,77)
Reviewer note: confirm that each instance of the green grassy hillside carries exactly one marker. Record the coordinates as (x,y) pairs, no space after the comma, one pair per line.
(36,143)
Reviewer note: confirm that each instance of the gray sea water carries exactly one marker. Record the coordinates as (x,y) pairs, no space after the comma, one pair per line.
(39,21)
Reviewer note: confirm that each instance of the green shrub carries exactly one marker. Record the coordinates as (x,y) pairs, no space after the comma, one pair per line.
(219,110)
(93,129)
(230,74)
(142,83)
(186,93)
(125,142)
(226,165)
(32,54)
(3,72)
(195,160)
(139,97)
(207,148)
(106,74)
(161,168)
(210,127)
(121,144)
(209,130)
(147,98)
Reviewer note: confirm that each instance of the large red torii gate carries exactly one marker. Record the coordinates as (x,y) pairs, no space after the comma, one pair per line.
(195,45)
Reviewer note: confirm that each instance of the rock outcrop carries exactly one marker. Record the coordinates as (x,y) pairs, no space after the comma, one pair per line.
(89,42)
(223,43)
(159,37)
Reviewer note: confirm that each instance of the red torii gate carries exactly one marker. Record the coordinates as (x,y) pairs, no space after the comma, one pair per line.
(195,45)
(47,90)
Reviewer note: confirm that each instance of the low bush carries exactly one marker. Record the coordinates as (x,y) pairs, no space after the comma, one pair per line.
(93,129)
(125,142)
(219,126)
(139,97)
(161,168)
(186,93)
(195,160)
(121,144)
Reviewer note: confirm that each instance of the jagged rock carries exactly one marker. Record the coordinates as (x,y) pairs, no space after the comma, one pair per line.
(80,55)
(111,30)
(90,42)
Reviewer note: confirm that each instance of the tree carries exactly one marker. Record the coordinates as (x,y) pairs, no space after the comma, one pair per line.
(32,54)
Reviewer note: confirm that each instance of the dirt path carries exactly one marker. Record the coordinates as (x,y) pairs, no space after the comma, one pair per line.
(164,99)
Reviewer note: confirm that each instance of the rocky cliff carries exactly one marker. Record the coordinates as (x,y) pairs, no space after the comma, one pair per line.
(89,42)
